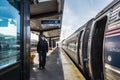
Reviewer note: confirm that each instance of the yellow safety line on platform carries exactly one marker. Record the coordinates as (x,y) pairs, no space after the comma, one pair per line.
(70,70)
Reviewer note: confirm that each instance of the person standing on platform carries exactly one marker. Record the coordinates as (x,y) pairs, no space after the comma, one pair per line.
(42,49)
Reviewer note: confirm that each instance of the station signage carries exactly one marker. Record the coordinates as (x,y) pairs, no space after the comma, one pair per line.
(50,22)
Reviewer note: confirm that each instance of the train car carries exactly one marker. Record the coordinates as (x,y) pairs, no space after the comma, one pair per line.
(76,46)
(103,44)
(97,45)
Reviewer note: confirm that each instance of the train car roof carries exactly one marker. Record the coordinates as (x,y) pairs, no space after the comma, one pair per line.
(81,28)
(107,8)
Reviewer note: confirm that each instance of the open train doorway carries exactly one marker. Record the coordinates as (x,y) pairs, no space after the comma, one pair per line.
(79,47)
(97,49)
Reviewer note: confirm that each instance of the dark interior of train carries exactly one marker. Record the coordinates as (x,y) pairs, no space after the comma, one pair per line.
(97,48)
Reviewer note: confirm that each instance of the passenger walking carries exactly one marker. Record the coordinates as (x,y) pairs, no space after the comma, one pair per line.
(42,49)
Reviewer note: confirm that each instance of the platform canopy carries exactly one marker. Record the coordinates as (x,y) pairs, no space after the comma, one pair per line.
(46,17)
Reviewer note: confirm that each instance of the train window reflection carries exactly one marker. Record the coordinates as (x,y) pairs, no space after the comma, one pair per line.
(9,33)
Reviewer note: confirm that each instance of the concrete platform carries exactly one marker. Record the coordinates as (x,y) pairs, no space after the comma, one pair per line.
(58,67)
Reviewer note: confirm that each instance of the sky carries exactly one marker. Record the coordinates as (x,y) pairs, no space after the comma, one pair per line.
(77,12)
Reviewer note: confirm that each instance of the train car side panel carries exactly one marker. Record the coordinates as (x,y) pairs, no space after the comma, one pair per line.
(111,45)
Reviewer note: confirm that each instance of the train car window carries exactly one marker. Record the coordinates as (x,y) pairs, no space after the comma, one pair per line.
(72,46)
(9,32)
(119,14)
(75,46)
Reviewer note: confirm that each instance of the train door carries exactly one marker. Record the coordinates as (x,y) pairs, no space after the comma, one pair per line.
(85,46)
(97,48)
(79,48)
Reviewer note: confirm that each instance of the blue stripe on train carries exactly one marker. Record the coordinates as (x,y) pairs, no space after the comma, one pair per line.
(112,51)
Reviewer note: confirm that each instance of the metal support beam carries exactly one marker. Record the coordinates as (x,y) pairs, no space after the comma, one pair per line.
(59,5)
(49,14)
(43,30)
(54,43)
(57,39)
(53,36)
(50,45)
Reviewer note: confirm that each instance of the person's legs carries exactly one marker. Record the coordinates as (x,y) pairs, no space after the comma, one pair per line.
(40,60)
(44,59)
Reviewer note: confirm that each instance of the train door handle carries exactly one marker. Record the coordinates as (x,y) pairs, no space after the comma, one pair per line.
(85,59)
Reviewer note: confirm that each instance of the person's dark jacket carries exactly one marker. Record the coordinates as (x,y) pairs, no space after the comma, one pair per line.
(42,46)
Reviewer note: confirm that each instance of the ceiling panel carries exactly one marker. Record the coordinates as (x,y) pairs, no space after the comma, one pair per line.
(45,10)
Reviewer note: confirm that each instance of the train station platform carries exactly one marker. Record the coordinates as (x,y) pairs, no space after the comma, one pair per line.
(58,67)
